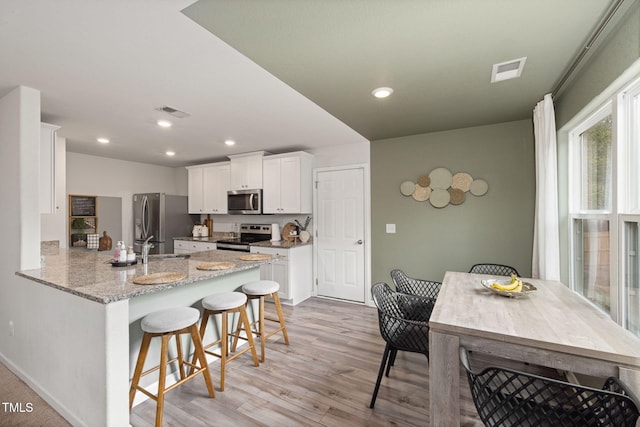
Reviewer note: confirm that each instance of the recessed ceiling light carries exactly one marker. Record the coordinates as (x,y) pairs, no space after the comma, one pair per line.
(102,140)
(382,92)
(164,123)
(170,153)
(230,142)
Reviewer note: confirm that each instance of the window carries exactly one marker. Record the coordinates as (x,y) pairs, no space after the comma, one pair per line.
(631,270)
(592,147)
(604,207)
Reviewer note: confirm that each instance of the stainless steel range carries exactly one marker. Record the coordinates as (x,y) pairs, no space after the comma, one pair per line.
(249,233)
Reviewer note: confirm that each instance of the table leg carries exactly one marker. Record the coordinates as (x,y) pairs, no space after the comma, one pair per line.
(631,378)
(444,379)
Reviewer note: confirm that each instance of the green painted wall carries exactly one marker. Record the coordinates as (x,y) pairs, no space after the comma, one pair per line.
(497,227)
(620,49)
(618,52)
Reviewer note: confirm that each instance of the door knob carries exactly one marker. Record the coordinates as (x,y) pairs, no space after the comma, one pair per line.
(359,242)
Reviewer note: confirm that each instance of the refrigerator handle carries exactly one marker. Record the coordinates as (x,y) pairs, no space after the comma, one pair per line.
(145,217)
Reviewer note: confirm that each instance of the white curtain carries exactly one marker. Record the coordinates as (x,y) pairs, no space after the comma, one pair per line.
(546,242)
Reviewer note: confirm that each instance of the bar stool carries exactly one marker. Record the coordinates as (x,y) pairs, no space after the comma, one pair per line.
(167,323)
(260,290)
(223,304)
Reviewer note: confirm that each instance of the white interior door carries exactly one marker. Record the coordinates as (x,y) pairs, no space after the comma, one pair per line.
(340,233)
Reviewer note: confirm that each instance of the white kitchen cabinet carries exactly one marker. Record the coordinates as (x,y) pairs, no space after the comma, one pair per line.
(195,189)
(287,187)
(47,188)
(190,246)
(53,226)
(216,184)
(208,186)
(293,271)
(246,171)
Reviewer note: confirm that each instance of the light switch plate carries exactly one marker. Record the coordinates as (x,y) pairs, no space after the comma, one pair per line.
(391,228)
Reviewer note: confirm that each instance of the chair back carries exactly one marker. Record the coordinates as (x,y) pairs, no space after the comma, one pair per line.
(494,269)
(410,285)
(403,318)
(505,397)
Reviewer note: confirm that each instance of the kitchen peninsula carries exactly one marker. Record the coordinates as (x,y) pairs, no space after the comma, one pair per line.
(93,313)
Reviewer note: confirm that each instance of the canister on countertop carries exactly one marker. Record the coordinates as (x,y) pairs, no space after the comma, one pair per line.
(131,256)
(116,252)
(209,224)
(275,233)
(123,253)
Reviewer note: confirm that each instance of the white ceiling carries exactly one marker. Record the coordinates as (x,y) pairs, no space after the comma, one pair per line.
(104,66)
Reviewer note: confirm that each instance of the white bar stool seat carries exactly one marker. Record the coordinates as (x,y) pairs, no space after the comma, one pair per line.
(171,322)
(224,303)
(171,319)
(261,289)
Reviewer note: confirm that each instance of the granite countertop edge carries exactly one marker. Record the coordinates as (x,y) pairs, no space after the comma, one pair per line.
(88,274)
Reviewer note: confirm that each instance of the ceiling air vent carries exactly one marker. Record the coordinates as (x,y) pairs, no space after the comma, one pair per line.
(173,111)
(507,70)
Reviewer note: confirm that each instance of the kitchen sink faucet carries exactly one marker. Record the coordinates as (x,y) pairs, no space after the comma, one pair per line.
(146,246)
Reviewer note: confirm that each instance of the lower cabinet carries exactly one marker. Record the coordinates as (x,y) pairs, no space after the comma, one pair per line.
(293,271)
(190,246)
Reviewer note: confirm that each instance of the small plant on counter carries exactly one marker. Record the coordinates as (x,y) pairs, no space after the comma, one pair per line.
(306,224)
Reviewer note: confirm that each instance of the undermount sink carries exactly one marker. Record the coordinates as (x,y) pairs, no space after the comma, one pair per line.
(167,257)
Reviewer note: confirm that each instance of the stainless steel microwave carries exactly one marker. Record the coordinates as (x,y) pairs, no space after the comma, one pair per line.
(244,202)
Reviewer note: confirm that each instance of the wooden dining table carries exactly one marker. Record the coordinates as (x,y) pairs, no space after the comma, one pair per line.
(552,326)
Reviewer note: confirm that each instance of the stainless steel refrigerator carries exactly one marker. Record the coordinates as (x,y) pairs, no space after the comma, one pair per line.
(161,216)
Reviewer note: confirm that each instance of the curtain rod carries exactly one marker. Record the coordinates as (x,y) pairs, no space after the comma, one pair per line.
(590,42)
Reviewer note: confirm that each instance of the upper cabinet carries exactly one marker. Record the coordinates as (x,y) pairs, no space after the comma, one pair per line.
(246,170)
(47,188)
(216,184)
(287,187)
(208,185)
(195,190)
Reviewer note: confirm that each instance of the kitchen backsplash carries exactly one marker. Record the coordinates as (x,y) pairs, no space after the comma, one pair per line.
(226,223)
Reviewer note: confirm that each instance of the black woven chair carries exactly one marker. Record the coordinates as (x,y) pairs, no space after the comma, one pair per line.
(404,325)
(413,286)
(494,269)
(410,285)
(506,397)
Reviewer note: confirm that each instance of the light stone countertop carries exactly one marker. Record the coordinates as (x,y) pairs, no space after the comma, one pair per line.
(264,244)
(217,235)
(89,274)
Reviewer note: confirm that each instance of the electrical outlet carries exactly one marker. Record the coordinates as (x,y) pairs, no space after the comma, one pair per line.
(391,228)
(12,330)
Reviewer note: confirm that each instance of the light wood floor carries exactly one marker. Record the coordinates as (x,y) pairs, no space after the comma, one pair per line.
(325,377)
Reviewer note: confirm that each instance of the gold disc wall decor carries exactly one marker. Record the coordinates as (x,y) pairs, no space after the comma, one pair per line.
(456,196)
(406,188)
(441,188)
(461,181)
(439,198)
(440,178)
(479,187)
(424,181)
(421,194)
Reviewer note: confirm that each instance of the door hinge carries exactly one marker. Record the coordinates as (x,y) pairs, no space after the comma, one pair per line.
(317,185)
(316,281)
